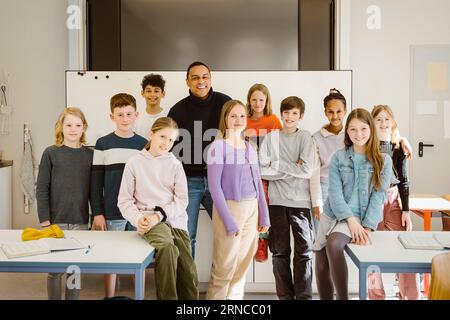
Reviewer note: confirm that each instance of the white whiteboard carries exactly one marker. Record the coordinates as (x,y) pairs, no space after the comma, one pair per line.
(92,91)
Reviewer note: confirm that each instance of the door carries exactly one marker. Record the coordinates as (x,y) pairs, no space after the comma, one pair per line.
(430,119)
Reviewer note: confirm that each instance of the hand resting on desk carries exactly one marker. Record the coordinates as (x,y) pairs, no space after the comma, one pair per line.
(360,235)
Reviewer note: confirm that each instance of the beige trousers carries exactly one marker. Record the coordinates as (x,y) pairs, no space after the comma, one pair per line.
(233,255)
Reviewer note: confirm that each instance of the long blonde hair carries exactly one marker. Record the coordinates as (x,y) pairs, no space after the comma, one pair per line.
(59,136)
(373,153)
(395,133)
(265,91)
(159,124)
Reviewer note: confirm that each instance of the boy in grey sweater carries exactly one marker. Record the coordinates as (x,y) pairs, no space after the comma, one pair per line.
(288,159)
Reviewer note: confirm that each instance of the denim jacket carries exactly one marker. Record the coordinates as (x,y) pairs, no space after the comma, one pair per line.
(341,183)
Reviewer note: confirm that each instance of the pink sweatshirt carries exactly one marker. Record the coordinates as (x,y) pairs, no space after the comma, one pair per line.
(150,181)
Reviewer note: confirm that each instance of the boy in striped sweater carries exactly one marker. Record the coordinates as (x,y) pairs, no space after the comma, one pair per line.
(110,155)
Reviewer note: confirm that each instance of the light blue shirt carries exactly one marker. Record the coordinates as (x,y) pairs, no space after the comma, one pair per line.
(342,184)
(354,200)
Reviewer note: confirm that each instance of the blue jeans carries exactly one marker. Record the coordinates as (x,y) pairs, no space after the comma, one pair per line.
(198,194)
(119,225)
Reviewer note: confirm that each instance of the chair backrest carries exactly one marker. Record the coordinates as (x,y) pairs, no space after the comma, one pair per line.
(440,277)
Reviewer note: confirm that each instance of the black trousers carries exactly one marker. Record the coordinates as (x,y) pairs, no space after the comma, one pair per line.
(282,220)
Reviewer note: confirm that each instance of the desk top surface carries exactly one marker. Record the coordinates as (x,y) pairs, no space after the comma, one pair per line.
(428,203)
(109,247)
(386,248)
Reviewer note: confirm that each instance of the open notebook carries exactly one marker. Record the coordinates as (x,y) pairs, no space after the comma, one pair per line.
(41,246)
(426,241)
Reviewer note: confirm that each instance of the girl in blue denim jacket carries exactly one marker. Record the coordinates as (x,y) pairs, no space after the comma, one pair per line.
(359,177)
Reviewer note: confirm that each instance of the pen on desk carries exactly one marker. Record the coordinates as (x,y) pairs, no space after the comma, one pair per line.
(89,249)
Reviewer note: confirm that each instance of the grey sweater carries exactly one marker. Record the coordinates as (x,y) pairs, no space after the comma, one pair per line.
(63,181)
(288,181)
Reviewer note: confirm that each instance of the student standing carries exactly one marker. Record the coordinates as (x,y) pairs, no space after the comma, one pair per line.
(330,137)
(110,155)
(237,192)
(359,177)
(153,196)
(62,189)
(396,217)
(197,116)
(260,121)
(153,92)
(288,159)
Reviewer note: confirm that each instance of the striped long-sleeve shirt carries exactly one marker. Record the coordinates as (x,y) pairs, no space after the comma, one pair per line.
(110,155)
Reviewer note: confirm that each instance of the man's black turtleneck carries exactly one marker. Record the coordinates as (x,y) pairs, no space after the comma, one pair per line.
(207,114)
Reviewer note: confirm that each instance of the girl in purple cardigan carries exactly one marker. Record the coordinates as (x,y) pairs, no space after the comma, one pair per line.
(237,193)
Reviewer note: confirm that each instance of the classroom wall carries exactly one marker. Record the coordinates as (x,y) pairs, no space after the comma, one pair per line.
(34,52)
(380,59)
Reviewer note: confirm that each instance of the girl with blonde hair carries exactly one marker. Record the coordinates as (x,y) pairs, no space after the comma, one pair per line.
(62,189)
(239,206)
(396,216)
(153,197)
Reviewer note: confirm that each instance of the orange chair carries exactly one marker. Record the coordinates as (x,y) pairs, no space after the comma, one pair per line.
(440,277)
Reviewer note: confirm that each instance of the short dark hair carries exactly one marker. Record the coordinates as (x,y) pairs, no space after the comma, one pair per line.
(334,94)
(292,102)
(194,64)
(154,80)
(122,100)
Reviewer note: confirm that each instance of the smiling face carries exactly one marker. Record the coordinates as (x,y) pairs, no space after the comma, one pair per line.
(162,141)
(72,129)
(384,124)
(291,118)
(236,119)
(335,112)
(199,81)
(153,95)
(258,102)
(359,133)
(124,118)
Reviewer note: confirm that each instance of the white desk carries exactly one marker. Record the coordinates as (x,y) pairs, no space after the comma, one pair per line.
(389,255)
(119,252)
(427,205)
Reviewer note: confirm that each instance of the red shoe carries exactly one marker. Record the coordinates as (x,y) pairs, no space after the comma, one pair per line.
(262,253)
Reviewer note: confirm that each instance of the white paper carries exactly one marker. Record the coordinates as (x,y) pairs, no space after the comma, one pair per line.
(446,119)
(41,246)
(60,244)
(426,107)
(24,249)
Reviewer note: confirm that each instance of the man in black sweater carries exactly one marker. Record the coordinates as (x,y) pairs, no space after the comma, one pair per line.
(198,117)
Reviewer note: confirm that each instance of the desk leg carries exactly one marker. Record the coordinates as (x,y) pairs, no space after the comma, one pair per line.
(426,220)
(426,227)
(426,284)
(139,284)
(362,283)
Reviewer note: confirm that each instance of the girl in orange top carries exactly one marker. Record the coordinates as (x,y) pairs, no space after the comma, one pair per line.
(260,121)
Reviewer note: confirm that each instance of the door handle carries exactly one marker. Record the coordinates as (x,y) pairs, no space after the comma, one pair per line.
(421,145)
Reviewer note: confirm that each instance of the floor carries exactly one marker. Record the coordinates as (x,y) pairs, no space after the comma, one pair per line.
(32,286)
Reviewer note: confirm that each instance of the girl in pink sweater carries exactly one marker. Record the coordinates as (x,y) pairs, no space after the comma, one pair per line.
(153,196)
